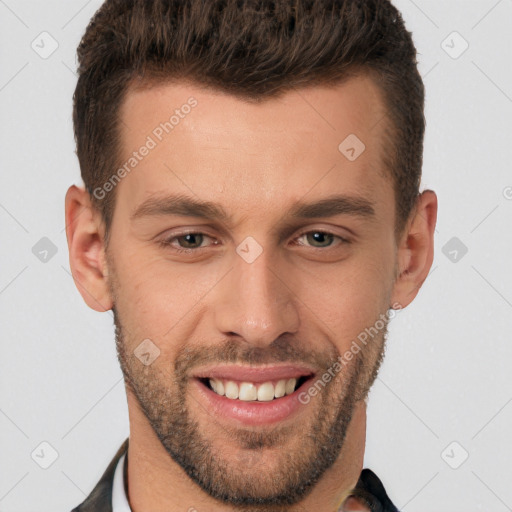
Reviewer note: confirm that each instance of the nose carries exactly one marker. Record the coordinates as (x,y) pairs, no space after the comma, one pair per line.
(256,303)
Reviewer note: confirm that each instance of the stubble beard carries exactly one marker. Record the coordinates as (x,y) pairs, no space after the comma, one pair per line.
(241,480)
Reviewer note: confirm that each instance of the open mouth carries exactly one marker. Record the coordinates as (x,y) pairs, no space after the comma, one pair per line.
(253,395)
(267,391)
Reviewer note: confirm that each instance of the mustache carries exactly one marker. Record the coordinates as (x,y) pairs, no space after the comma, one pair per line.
(286,348)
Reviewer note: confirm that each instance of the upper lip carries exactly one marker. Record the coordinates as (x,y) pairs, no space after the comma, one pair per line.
(254,373)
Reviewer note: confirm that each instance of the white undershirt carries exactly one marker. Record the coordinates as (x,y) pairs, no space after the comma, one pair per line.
(119,499)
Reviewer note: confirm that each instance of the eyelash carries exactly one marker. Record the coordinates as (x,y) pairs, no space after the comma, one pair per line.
(342,241)
(167,242)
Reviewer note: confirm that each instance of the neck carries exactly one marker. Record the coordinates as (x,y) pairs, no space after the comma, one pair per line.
(157,483)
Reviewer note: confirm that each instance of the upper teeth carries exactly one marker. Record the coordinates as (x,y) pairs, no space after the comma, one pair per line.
(248,391)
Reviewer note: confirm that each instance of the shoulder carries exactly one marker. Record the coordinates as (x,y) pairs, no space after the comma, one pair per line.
(100,498)
(370,493)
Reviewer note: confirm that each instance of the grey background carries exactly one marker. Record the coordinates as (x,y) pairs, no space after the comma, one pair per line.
(446,378)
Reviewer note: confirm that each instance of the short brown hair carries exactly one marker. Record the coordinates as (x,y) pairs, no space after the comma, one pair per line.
(254,49)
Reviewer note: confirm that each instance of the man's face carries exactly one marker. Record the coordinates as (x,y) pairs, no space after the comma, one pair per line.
(301,261)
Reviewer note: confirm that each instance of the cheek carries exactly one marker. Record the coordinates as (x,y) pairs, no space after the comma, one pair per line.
(349,297)
(160,297)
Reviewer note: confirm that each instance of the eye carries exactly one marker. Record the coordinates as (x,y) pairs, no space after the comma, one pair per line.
(188,242)
(320,239)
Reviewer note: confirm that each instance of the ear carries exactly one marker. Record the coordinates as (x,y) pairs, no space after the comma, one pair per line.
(416,250)
(85,236)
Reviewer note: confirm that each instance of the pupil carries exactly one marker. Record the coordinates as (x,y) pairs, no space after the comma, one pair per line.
(191,240)
(320,239)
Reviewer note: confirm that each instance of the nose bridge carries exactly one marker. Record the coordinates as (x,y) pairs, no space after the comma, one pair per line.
(256,304)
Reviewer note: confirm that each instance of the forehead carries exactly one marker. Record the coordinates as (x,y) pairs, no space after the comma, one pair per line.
(315,140)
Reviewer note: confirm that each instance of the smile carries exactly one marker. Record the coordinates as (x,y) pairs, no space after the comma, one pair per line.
(251,395)
(252,391)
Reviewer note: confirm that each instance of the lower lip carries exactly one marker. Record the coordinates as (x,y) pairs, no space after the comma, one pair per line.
(253,412)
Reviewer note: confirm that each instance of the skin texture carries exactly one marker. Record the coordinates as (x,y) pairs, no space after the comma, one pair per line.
(294,302)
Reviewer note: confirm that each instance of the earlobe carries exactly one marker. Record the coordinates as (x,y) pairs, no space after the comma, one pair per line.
(84,234)
(416,250)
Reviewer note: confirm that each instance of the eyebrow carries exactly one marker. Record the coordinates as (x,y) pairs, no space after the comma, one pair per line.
(189,207)
(179,205)
(335,205)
